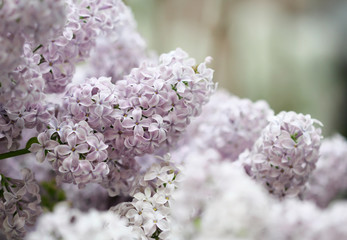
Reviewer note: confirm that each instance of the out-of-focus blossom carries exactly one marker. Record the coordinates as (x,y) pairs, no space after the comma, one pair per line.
(19,204)
(330,177)
(120,51)
(216,200)
(71,224)
(228,124)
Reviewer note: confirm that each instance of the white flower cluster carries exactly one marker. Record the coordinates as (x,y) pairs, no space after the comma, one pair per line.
(148,213)
(71,224)
(216,200)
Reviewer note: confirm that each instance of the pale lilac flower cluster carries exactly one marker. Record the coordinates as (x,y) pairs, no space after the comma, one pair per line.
(71,224)
(33,21)
(76,153)
(228,124)
(217,200)
(19,205)
(22,103)
(297,220)
(285,155)
(149,109)
(330,177)
(85,21)
(125,47)
(149,212)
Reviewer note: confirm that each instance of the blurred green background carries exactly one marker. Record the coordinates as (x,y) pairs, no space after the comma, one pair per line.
(292,53)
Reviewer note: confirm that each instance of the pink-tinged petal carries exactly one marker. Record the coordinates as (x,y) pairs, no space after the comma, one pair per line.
(102,155)
(50,145)
(153,127)
(162,136)
(42,138)
(71,164)
(85,166)
(71,142)
(137,114)
(93,141)
(287,143)
(99,110)
(128,123)
(82,148)
(138,130)
(63,150)
(92,156)
(40,156)
(181,87)
(35,147)
(154,100)
(102,169)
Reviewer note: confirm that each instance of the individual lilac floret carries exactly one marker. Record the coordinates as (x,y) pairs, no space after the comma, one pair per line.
(76,153)
(72,224)
(285,155)
(19,204)
(228,124)
(330,177)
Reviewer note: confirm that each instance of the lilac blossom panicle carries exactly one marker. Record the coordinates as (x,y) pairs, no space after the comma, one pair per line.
(149,212)
(71,224)
(285,155)
(86,20)
(23,21)
(76,153)
(19,205)
(330,177)
(228,124)
(25,25)
(146,111)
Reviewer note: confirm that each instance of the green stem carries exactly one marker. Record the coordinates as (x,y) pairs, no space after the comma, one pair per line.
(20,151)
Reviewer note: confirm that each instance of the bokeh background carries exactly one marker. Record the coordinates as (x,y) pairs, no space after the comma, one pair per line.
(292,53)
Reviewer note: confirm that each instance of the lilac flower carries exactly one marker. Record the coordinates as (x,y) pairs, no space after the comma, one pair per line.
(149,211)
(78,155)
(230,128)
(19,204)
(144,111)
(286,154)
(45,144)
